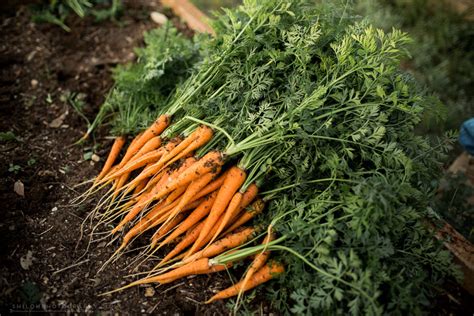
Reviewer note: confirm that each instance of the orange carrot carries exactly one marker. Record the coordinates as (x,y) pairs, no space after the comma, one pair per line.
(154,130)
(259,260)
(264,274)
(197,138)
(167,227)
(222,245)
(150,145)
(233,209)
(202,134)
(176,194)
(255,208)
(154,169)
(199,213)
(191,191)
(211,187)
(136,163)
(200,266)
(146,199)
(114,152)
(234,179)
(230,212)
(190,237)
(208,163)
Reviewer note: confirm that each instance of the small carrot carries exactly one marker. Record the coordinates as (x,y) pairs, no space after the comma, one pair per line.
(264,274)
(167,227)
(152,144)
(209,162)
(183,148)
(236,205)
(154,169)
(234,179)
(200,266)
(192,190)
(146,199)
(255,209)
(198,138)
(259,260)
(136,163)
(154,130)
(199,213)
(190,237)
(114,152)
(231,210)
(222,245)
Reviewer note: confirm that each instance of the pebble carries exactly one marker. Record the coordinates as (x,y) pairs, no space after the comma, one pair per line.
(34,83)
(158,18)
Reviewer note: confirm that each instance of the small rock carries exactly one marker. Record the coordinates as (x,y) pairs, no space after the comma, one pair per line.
(57,122)
(19,188)
(34,83)
(95,158)
(149,291)
(53,210)
(27,260)
(88,309)
(158,18)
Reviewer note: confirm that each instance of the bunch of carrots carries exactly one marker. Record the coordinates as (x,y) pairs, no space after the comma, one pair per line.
(198,204)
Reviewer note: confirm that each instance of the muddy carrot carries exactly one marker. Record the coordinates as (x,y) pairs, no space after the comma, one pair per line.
(264,274)
(234,179)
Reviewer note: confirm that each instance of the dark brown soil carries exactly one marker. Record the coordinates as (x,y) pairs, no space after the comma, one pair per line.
(39,64)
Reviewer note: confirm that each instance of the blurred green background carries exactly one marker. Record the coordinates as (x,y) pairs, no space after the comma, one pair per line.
(442,50)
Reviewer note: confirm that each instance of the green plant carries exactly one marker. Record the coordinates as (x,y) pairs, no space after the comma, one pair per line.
(57,11)
(14,168)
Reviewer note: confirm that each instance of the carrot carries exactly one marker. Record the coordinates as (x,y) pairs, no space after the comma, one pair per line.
(147,198)
(222,245)
(234,179)
(136,163)
(200,266)
(176,194)
(201,211)
(201,135)
(141,185)
(209,162)
(114,152)
(234,209)
(248,196)
(197,138)
(255,208)
(206,238)
(259,260)
(156,167)
(150,145)
(190,237)
(192,190)
(230,212)
(154,130)
(120,182)
(211,187)
(264,274)
(167,227)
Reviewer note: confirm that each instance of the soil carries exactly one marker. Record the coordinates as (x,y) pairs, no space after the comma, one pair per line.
(40,266)
(43,267)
